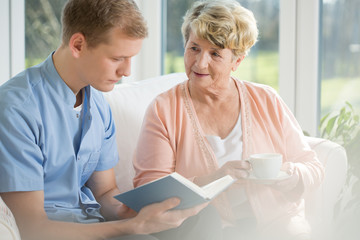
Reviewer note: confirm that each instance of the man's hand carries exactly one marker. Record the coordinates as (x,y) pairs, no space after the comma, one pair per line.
(158,217)
(125,212)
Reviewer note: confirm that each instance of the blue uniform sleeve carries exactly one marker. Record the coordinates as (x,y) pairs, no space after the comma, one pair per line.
(21,158)
(109,153)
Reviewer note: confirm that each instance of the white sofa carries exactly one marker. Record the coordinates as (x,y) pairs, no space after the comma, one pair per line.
(129,101)
(8,228)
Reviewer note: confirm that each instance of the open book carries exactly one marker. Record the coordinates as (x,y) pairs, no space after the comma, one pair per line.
(173,185)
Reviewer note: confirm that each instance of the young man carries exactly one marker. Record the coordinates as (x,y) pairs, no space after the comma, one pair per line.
(57,135)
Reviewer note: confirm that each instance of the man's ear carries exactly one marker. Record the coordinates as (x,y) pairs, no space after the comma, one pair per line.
(237,62)
(77,44)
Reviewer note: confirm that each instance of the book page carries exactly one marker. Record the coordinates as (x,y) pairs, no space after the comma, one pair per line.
(189,184)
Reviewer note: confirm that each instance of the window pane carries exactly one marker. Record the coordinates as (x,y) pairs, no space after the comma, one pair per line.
(340,47)
(42,29)
(261,65)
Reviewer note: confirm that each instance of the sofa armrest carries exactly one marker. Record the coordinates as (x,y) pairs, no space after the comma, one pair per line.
(8,227)
(319,204)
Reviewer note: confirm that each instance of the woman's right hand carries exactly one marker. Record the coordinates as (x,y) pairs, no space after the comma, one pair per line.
(236,169)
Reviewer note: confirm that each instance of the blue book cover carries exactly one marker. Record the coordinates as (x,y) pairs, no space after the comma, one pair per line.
(173,185)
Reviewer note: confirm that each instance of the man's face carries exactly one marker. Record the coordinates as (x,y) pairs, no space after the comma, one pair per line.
(103,66)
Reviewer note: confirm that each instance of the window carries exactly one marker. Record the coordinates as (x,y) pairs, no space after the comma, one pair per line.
(42,29)
(285,57)
(340,55)
(261,65)
(315,70)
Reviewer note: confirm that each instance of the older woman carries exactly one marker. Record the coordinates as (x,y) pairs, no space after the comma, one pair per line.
(207,126)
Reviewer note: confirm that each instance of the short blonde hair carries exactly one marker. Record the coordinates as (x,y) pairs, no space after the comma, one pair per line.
(95,18)
(224,23)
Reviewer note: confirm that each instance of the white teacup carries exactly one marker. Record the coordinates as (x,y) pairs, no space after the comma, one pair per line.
(266,165)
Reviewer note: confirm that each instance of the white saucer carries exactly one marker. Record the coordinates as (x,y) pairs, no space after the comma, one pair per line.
(281,176)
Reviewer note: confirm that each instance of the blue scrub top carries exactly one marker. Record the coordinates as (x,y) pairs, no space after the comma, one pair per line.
(45,144)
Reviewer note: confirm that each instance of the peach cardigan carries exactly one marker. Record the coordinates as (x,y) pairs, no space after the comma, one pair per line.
(171,140)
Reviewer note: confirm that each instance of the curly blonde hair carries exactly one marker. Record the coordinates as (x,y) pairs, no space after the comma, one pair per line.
(224,23)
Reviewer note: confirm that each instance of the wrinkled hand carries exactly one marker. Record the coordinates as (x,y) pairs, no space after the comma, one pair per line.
(288,184)
(158,217)
(236,169)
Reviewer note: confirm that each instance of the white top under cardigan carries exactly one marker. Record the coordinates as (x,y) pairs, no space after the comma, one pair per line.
(229,149)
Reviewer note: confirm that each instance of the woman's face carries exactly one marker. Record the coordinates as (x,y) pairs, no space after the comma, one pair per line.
(207,64)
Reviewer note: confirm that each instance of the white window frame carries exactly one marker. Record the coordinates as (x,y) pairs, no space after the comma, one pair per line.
(299,83)
(12,43)
(298,49)
(148,63)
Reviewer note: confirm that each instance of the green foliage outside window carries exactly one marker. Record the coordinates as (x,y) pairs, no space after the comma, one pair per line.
(343,127)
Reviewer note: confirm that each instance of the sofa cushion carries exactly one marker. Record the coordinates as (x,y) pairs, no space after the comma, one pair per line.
(128,102)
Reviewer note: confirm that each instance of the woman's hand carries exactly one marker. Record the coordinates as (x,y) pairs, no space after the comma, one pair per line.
(238,169)
(288,184)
